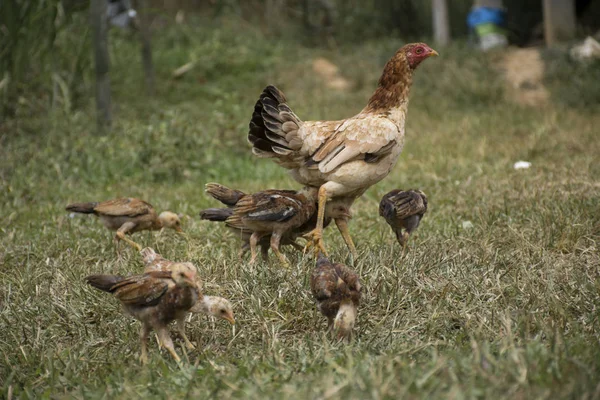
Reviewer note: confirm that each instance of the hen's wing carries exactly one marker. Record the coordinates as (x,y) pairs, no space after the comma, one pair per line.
(125,207)
(365,137)
(142,290)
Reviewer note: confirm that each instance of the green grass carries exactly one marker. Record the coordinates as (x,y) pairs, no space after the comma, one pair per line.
(505,309)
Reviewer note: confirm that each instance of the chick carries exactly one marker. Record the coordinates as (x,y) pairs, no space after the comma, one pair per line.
(269,213)
(336,210)
(403,210)
(337,290)
(128,215)
(155,299)
(217,307)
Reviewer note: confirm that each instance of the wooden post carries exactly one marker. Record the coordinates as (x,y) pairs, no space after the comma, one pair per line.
(100,43)
(559,20)
(144,23)
(441,23)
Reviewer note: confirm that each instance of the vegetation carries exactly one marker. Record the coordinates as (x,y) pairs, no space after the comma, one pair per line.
(497,296)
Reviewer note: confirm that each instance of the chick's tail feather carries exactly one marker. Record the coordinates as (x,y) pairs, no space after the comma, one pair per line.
(84,208)
(103,282)
(227,196)
(216,214)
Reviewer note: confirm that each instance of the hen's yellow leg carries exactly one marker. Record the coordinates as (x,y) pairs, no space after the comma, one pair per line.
(342,225)
(316,235)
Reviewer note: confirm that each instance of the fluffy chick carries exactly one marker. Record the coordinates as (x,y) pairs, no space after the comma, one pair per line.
(337,290)
(128,215)
(403,210)
(155,299)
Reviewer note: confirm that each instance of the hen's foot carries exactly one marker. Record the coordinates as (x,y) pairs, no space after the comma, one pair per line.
(315,240)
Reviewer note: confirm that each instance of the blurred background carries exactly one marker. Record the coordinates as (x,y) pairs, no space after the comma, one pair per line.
(46,59)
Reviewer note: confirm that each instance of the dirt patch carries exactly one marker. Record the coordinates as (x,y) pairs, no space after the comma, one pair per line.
(524,71)
(330,74)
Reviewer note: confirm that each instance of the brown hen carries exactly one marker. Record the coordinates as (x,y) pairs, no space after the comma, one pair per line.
(128,215)
(342,158)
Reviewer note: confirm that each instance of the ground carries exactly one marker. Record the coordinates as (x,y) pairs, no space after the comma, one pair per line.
(497,295)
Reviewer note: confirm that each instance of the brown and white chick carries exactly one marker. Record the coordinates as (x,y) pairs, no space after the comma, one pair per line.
(155,299)
(274,213)
(217,307)
(403,210)
(337,290)
(128,215)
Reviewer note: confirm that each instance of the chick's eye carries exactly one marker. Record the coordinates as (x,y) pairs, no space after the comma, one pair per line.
(222,311)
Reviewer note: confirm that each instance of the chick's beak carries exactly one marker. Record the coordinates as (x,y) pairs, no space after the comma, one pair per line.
(230,319)
(178,229)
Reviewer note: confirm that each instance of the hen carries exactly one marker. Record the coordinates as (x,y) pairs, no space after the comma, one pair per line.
(128,215)
(337,290)
(218,307)
(342,158)
(229,197)
(274,213)
(155,299)
(403,210)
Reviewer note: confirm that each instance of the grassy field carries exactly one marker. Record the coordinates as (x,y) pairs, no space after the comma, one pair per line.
(497,297)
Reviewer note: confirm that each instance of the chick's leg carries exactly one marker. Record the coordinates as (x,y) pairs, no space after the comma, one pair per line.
(342,225)
(122,232)
(254,239)
(275,240)
(144,332)
(316,235)
(180,326)
(165,341)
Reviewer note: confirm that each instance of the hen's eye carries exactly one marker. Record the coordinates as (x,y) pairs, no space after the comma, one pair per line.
(419,50)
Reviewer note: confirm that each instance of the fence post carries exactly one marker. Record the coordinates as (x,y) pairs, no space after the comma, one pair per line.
(441,24)
(559,20)
(102,62)
(144,22)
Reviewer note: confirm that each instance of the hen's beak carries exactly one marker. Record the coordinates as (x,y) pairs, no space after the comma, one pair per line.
(433,53)
(230,319)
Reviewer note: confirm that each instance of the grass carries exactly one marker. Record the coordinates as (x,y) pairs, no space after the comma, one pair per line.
(503,307)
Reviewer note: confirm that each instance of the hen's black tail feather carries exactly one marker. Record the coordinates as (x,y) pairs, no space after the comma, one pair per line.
(274,126)
(84,208)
